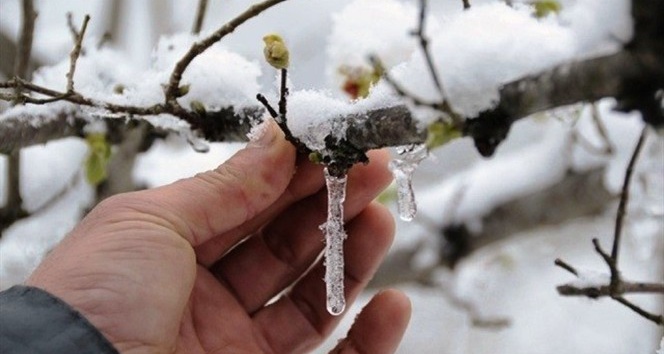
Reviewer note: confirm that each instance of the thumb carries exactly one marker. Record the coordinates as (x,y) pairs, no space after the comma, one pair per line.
(379,327)
(216,201)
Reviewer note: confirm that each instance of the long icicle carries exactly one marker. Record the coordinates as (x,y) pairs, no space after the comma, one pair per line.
(334,241)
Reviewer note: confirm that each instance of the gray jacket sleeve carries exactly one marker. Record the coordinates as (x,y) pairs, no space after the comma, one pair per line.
(34,321)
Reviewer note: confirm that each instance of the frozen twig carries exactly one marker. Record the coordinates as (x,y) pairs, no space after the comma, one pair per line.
(200,16)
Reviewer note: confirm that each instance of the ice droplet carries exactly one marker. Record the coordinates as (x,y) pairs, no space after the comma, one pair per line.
(335,235)
(198,144)
(402,168)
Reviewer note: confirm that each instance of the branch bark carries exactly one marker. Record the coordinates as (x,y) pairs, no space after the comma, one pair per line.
(13,208)
(627,287)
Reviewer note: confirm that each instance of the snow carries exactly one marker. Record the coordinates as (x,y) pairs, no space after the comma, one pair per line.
(473,193)
(26,242)
(475,52)
(313,115)
(371,27)
(335,235)
(590,278)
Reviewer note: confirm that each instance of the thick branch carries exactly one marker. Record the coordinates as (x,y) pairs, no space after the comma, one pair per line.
(605,290)
(582,81)
(579,194)
(20,131)
(569,83)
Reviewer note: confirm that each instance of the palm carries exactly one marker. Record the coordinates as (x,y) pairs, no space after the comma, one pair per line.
(192,267)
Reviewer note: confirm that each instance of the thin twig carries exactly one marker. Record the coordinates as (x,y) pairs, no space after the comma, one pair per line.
(79,99)
(424,44)
(171,92)
(268,106)
(76,52)
(624,196)
(283,95)
(25,40)
(658,319)
(401,91)
(200,16)
(72,27)
(601,129)
(566,266)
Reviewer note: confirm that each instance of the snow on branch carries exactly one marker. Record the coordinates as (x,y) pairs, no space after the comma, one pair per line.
(581,81)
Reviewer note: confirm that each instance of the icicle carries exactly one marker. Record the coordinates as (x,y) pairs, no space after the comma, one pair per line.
(402,168)
(334,240)
(198,144)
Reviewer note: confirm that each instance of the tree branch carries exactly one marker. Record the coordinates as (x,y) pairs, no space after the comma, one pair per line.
(200,16)
(578,194)
(624,197)
(605,290)
(25,40)
(171,92)
(617,285)
(76,51)
(13,208)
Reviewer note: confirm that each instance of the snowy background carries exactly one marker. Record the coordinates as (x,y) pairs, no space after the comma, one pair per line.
(475,52)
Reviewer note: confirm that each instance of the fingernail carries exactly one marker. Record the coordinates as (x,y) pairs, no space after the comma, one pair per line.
(263,134)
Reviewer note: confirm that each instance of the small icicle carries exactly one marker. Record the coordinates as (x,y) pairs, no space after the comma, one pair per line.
(335,235)
(198,144)
(402,168)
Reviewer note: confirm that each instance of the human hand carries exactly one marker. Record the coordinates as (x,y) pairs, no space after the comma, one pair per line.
(191,267)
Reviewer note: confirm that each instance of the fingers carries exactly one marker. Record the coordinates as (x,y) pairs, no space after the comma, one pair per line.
(214,202)
(379,327)
(307,180)
(289,245)
(299,320)
(364,183)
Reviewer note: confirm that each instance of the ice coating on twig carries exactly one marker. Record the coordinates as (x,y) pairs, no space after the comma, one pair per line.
(198,144)
(402,168)
(335,235)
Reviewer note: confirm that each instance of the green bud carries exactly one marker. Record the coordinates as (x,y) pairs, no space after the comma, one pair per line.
(99,155)
(119,89)
(545,7)
(439,133)
(183,90)
(198,107)
(275,51)
(316,157)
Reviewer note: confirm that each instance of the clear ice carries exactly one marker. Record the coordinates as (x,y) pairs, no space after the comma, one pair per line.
(403,168)
(335,235)
(198,144)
